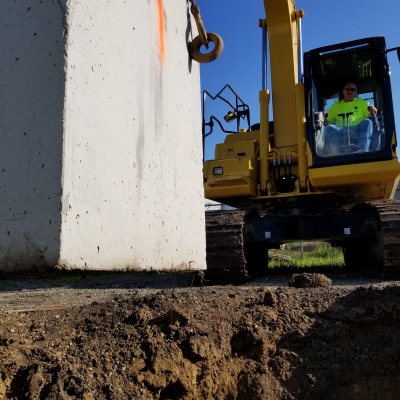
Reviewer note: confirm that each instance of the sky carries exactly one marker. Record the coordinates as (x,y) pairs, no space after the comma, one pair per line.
(324,23)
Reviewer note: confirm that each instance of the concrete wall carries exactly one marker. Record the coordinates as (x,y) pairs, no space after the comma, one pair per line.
(31,127)
(112,178)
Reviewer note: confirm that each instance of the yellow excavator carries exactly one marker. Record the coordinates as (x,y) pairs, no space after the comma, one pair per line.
(279,176)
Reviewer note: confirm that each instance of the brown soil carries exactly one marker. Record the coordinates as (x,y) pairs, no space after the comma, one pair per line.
(233,342)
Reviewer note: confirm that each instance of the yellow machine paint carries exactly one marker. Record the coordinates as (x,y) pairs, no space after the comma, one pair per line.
(293,176)
(236,164)
(245,159)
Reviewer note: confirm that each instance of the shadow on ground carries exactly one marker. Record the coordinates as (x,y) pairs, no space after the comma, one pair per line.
(352,350)
(96,280)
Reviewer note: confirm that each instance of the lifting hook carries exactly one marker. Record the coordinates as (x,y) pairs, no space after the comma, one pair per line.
(203,39)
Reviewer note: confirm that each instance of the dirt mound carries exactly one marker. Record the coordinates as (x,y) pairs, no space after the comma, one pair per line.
(309,280)
(209,343)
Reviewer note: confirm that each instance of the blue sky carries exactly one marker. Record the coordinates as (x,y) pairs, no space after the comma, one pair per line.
(236,21)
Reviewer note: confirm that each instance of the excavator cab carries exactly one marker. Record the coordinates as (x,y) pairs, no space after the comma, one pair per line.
(327,69)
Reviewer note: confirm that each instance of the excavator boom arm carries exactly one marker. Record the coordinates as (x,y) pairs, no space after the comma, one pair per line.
(283,32)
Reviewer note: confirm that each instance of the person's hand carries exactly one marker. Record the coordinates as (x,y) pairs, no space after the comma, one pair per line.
(372,110)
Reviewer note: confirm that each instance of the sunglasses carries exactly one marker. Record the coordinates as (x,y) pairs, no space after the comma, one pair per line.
(350,89)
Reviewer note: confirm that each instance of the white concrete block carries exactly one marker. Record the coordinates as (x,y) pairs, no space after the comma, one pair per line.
(101,156)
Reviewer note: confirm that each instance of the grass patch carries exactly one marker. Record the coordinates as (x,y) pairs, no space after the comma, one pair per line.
(302,255)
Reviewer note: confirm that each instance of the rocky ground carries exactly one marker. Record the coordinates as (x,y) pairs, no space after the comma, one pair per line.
(160,338)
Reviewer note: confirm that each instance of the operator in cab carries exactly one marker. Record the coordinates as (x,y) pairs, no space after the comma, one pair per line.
(349,130)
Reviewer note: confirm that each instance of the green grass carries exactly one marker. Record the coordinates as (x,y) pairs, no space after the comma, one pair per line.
(300,255)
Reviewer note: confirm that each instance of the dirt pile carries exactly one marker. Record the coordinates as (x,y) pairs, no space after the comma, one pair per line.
(209,343)
(309,280)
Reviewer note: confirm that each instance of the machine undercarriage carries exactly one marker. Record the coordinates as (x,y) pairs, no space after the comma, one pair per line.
(369,234)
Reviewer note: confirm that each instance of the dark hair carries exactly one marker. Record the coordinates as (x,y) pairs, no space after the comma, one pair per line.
(341,97)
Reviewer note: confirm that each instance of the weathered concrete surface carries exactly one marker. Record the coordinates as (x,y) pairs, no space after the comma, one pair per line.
(102,171)
(31,126)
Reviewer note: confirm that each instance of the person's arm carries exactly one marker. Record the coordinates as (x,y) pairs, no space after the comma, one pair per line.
(331,114)
(372,110)
(368,110)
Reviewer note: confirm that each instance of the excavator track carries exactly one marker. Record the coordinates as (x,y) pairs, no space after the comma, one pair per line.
(225,246)
(389,213)
(227,259)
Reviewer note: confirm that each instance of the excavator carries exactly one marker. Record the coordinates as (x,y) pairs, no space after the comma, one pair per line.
(278,175)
